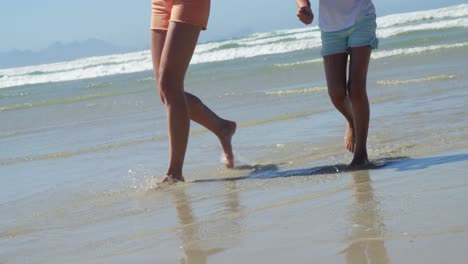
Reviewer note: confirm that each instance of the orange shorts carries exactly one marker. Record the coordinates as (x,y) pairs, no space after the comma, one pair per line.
(194,12)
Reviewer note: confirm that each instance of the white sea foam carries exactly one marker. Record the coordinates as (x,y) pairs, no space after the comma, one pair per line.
(276,42)
(415,50)
(77,69)
(254,50)
(393,31)
(446,13)
(379,54)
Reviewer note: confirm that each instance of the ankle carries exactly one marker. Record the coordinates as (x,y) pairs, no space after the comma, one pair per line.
(360,155)
(175,174)
(174,179)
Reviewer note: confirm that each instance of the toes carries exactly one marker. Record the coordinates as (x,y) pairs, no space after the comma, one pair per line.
(349,146)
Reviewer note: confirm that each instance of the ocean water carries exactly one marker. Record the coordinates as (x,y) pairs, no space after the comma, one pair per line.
(84,142)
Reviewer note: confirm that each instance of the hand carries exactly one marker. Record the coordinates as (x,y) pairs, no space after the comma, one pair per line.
(305,15)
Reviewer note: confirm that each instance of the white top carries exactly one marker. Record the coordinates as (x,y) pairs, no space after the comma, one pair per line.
(335,15)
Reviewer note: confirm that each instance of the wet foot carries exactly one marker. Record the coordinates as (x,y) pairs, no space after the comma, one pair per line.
(359,162)
(225,138)
(349,139)
(169,179)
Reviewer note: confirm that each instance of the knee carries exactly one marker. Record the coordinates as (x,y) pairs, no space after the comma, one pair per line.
(170,87)
(336,94)
(165,82)
(357,89)
(192,99)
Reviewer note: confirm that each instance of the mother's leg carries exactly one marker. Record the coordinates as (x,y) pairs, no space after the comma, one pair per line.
(335,71)
(172,52)
(222,128)
(198,112)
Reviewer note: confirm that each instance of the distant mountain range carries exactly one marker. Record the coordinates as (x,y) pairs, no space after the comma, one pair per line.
(59,51)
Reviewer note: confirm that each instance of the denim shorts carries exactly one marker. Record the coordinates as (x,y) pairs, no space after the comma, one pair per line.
(362,33)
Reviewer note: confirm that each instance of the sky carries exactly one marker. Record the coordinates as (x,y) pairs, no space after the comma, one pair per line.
(34,25)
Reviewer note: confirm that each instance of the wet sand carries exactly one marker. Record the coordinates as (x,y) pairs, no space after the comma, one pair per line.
(405,210)
(409,210)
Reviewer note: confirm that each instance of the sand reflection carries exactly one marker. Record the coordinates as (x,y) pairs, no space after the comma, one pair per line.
(202,238)
(366,243)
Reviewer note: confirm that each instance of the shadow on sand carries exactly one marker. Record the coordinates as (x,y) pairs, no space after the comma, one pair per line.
(269,171)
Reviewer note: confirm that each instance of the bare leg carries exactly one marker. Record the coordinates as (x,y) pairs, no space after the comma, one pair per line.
(178,43)
(175,55)
(335,71)
(222,128)
(358,68)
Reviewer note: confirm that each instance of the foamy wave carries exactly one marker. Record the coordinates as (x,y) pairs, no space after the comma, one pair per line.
(276,42)
(379,54)
(415,50)
(77,69)
(441,77)
(446,13)
(393,31)
(298,91)
(253,51)
(261,44)
(298,63)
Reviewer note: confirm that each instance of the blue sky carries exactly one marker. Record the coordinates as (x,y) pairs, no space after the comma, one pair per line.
(33,24)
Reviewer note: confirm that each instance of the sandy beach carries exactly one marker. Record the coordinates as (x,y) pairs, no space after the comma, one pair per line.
(80,158)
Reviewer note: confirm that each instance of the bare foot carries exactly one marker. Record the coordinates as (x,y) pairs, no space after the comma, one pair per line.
(360,161)
(225,138)
(169,179)
(349,139)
